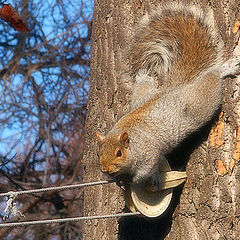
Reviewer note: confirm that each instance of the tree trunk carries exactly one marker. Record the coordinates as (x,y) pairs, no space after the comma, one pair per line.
(207,206)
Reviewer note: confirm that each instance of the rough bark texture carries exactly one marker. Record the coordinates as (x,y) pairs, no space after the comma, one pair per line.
(207,206)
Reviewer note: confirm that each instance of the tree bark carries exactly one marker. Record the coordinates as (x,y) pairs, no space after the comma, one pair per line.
(207,206)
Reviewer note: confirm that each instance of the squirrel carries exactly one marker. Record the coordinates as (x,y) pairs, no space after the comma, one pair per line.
(177,61)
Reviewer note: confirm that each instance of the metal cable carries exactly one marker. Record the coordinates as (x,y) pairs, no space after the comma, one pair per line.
(60,188)
(63,220)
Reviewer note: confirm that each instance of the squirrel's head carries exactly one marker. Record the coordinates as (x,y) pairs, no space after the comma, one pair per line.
(113,153)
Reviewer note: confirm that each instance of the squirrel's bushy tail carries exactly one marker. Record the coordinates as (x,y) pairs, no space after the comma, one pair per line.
(175,43)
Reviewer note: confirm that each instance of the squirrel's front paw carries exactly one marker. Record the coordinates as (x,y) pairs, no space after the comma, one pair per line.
(155,182)
(152,185)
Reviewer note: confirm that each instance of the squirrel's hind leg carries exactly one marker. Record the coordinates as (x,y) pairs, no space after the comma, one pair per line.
(231,66)
(144,88)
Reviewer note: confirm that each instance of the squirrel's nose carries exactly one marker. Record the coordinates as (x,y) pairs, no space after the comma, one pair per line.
(108,170)
(104,169)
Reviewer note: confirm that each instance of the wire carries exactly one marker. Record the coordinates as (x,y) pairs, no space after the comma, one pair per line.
(12,195)
(63,220)
(60,188)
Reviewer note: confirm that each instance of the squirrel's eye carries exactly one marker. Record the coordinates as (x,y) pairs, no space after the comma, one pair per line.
(119,153)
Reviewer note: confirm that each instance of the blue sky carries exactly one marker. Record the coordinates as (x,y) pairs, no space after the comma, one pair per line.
(9,135)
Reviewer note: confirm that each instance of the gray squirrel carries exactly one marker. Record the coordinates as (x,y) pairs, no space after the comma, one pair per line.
(177,61)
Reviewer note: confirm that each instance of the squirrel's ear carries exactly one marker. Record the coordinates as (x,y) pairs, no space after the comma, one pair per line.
(100,138)
(124,139)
